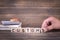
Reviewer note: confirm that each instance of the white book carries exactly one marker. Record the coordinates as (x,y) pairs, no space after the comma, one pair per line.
(8,27)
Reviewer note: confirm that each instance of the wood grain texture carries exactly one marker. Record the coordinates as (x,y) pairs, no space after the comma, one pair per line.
(30,12)
(7,35)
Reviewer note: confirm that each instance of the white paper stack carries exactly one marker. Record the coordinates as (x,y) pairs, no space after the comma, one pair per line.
(7,25)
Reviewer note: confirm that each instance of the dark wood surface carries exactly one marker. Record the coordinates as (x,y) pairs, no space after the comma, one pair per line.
(7,35)
(30,12)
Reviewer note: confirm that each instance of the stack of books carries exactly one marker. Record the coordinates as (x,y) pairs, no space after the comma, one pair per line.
(7,25)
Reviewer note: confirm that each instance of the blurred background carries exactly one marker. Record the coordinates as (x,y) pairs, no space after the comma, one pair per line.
(31,13)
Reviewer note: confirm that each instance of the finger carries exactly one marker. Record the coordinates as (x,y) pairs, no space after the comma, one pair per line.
(44,24)
(48,28)
(47,22)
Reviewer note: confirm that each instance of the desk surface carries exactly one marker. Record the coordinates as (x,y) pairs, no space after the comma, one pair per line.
(7,35)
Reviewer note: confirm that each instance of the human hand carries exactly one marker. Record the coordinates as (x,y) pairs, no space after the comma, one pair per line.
(51,23)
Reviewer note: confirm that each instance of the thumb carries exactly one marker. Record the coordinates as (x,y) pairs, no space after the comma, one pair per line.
(48,28)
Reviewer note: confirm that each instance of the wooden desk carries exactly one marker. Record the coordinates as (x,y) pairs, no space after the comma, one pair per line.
(7,35)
